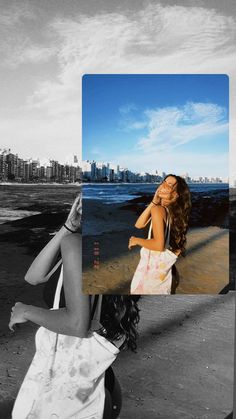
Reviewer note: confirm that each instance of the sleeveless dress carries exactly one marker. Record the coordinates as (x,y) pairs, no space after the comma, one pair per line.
(66,377)
(153,274)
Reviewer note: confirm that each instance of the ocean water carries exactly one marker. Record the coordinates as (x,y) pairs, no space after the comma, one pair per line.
(8,214)
(118,193)
(23,200)
(19,201)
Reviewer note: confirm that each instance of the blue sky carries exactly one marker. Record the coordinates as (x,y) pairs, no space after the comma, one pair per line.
(171,123)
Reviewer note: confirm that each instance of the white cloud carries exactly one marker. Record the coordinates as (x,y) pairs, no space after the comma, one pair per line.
(137,125)
(127,108)
(25,53)
(157,39)
(15,13)
(35,54)
(128,120)
(14,40)
(172,126)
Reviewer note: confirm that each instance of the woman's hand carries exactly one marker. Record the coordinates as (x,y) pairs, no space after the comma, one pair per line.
(17,315)
(73,221)
(156,199)
(163,191)
(133,241)
(166,195)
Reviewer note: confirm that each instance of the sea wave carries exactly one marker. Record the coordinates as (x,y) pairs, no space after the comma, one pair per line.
(113,193)
(8,214)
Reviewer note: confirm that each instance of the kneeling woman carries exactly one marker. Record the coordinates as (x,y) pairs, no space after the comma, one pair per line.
(75,344)
(168,214)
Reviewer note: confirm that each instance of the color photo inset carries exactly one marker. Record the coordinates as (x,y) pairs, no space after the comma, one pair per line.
(138,130)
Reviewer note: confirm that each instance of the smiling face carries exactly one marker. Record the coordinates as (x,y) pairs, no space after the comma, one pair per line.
(168,185)
(167,191)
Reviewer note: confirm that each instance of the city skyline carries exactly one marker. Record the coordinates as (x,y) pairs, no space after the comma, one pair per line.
(46,49)
(14,168)
(107,170)
(176,122)
(73,158)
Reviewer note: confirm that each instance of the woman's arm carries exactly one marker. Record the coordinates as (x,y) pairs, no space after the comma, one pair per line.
(145,217)
(158,226)
(74,319)
(45,260)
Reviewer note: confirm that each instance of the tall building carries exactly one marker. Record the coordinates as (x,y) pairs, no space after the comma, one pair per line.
(20,170)
(33,169)
(26,169)
(55,170)
(93,171)
(11,160)
(3,165)
(48,173)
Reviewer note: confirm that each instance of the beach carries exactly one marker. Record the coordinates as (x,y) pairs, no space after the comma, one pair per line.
(29,215)
(197,274)
(34,212)
(108,265)
(183,367)
(173,330)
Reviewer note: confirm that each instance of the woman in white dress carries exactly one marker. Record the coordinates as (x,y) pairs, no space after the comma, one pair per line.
(168,213)
(75,344)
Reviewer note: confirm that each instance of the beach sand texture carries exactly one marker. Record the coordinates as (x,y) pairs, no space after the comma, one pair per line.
(183,367)
(184,364)
(204,270)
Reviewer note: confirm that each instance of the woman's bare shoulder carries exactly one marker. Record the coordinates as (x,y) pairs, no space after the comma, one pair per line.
(159,210)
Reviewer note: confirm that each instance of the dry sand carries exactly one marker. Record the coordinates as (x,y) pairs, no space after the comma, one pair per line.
(183,367)
(16,348)
(204,270)
(184,364)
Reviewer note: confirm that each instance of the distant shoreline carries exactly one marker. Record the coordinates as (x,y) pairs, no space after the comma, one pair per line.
(105,183)
(40,184)
(151,183)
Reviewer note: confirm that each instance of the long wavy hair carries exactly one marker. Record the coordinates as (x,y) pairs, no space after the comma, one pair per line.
(180,212)
(120,317)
